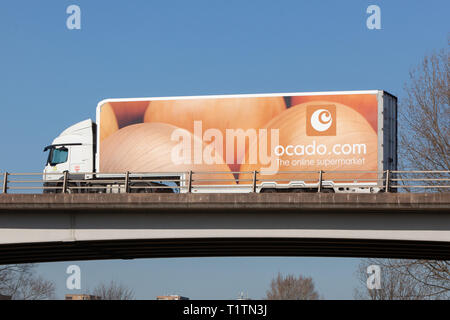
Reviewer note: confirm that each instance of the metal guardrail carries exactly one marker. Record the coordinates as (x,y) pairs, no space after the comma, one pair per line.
(129,182)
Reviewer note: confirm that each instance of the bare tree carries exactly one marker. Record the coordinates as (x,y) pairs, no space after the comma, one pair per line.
(424,141)
(406,280)
(425,117)
(21,283)
(292,288)
(113,291)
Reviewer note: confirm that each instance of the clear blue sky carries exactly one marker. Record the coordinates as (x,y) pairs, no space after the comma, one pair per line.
(52,77)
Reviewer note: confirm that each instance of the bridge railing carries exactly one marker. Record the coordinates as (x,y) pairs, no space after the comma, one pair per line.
(320,181)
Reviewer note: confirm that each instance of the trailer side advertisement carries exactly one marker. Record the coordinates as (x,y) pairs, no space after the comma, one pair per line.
(270,134)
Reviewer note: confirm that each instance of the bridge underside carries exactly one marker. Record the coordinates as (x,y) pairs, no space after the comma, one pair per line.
(43,228)
(236,247)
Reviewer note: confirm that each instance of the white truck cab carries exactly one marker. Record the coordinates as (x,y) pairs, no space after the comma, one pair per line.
(73,151)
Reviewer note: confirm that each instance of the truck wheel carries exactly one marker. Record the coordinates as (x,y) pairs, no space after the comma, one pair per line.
(74,190)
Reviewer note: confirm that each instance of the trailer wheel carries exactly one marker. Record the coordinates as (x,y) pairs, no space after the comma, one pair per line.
(141,188)
(269,190)
(97,189)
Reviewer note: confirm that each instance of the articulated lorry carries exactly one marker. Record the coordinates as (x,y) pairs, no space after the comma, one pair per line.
(290,142)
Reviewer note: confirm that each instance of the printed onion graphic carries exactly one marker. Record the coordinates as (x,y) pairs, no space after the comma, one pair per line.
(221,114)
(108,121)
(129,112)
(353,148)
(147,147)
(116,115)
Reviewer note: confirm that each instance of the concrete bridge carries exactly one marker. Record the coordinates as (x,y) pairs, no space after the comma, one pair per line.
(63,227)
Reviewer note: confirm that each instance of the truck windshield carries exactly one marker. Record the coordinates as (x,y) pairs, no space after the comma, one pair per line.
(57,156)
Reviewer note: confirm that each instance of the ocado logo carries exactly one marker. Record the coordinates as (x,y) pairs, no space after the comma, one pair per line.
(321,120)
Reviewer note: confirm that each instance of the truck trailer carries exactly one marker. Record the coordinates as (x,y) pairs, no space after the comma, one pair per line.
(285,142)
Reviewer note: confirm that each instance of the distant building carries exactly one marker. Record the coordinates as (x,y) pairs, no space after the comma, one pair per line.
(81,297)
(3,297)
(171,297)
(242,297)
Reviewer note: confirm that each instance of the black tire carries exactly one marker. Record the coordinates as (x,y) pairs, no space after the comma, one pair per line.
(97,189)
(141,188)
(269,190)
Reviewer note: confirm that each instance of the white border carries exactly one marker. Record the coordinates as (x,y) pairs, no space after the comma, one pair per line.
(254,95)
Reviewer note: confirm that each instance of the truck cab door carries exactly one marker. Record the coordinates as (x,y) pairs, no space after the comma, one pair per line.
(57,163)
